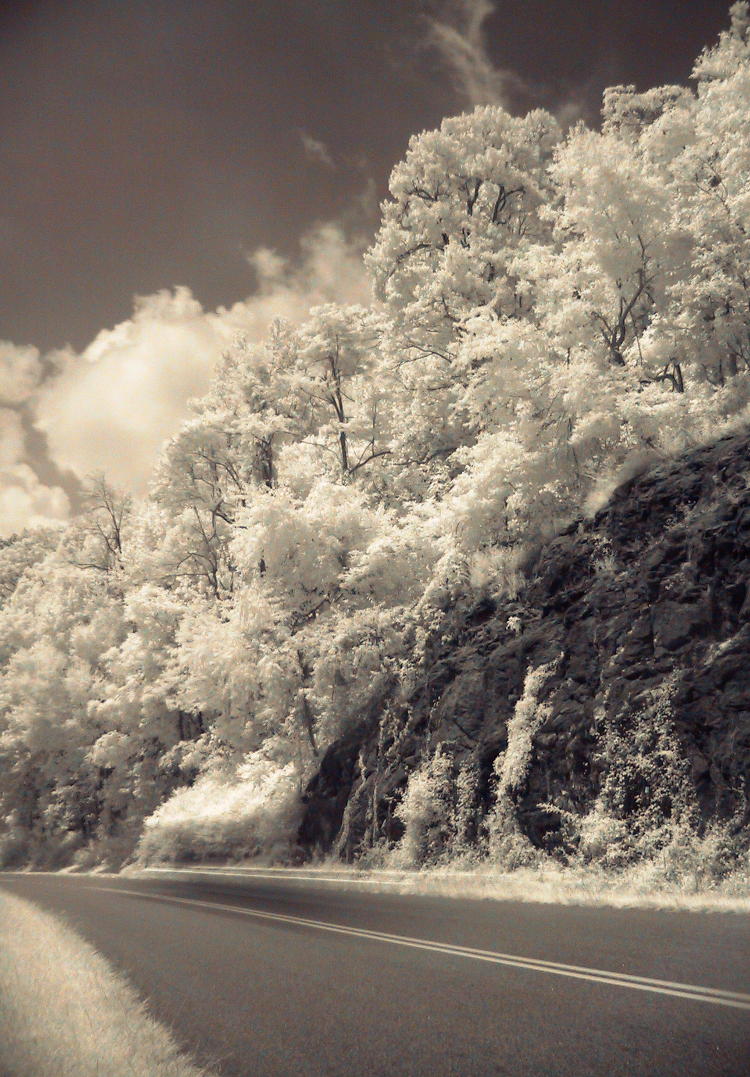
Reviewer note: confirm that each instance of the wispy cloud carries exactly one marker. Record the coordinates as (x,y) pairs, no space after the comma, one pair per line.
(315,150)
(457,34)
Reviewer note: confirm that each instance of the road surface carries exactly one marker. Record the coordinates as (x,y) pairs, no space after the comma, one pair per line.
(265,974)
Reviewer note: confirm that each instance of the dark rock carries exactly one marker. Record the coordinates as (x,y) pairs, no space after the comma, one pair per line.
(672,616)
(677,623)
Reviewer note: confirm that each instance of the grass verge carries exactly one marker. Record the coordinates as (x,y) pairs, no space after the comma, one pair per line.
(559,886)
(64,1012)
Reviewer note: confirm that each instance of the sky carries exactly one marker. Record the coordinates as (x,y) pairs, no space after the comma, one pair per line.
(176,171)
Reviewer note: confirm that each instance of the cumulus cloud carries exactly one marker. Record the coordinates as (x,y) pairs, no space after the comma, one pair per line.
(457,34)
(26,502)
(315,150)
(24,499)
(571,109)
(11,437)
(111,407)
(329,269)
(20,372)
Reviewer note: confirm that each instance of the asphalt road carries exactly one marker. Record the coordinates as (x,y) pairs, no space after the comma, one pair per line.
(271,975)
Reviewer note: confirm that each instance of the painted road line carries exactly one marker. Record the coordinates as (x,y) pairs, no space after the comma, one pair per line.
(718,996)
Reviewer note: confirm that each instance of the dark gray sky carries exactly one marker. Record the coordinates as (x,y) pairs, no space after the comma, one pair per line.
(149,144)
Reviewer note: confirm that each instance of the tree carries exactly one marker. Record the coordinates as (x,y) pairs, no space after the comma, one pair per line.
(96,539)
(465,201)
(337,376)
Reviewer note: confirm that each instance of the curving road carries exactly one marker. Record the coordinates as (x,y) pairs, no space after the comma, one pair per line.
(270,973)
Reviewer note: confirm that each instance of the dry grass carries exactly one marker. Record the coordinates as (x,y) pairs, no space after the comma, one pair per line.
(638,888)
(64,1012)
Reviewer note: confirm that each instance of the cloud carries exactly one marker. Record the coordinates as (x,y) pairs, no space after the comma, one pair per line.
(111,407)
(457,35)
(569,110)
(315,150)
(11,437)
(20,372)
(329,269)
(24,499)
(26,502)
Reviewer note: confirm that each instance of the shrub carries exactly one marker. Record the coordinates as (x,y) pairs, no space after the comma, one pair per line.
(228,814)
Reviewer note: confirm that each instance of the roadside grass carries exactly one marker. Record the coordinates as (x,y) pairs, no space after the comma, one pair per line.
(64,1012)
(640,888)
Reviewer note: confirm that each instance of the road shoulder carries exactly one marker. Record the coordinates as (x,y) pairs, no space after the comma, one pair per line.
(66,1011)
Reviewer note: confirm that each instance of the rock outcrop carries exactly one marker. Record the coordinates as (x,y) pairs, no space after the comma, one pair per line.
(641,617)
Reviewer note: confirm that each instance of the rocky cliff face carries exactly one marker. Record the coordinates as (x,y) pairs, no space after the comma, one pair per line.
(620,672)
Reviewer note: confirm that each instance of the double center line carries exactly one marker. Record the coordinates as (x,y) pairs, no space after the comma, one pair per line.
(717,996)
